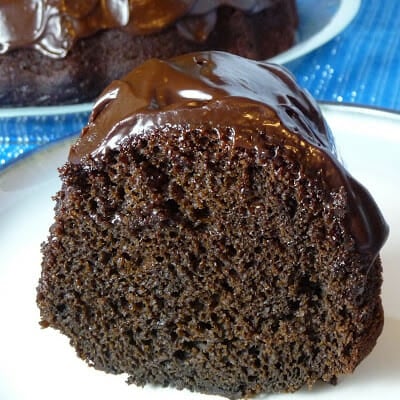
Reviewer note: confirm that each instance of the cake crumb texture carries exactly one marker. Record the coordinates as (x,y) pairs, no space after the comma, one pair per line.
(189,263)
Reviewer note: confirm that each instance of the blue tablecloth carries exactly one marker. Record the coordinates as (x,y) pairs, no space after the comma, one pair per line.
(362,64)
(359,66)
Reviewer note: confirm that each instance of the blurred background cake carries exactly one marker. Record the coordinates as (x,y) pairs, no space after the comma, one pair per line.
(67,51)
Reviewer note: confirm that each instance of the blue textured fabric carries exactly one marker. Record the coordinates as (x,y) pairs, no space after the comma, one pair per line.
(359,66)
(21,135)
(362,64)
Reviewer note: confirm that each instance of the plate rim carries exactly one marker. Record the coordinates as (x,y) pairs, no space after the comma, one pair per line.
(345,14)
(379,112)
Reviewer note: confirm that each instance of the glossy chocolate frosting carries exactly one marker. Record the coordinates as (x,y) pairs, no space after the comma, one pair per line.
(52,26)
(258,103)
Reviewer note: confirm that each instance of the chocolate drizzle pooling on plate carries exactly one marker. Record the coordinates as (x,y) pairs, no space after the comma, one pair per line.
(259,103)
(52,26)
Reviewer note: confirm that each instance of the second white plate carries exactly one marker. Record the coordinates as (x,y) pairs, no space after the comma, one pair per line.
(320,21)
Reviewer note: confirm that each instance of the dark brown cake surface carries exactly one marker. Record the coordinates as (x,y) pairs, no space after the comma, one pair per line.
(63,52)
(206,237)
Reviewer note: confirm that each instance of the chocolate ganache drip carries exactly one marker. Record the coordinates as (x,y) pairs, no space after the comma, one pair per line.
(52,26)
(259,103)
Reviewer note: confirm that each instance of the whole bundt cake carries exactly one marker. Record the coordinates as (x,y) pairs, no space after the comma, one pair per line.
(207,237)
(67,51)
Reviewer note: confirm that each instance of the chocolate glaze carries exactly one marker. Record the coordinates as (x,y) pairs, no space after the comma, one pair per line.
(52,26)
(258,103)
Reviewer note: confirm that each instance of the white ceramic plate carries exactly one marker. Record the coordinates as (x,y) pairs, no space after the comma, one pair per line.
(40,364)
(320,21)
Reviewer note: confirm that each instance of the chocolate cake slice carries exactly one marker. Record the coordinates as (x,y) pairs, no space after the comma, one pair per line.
(207,237)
